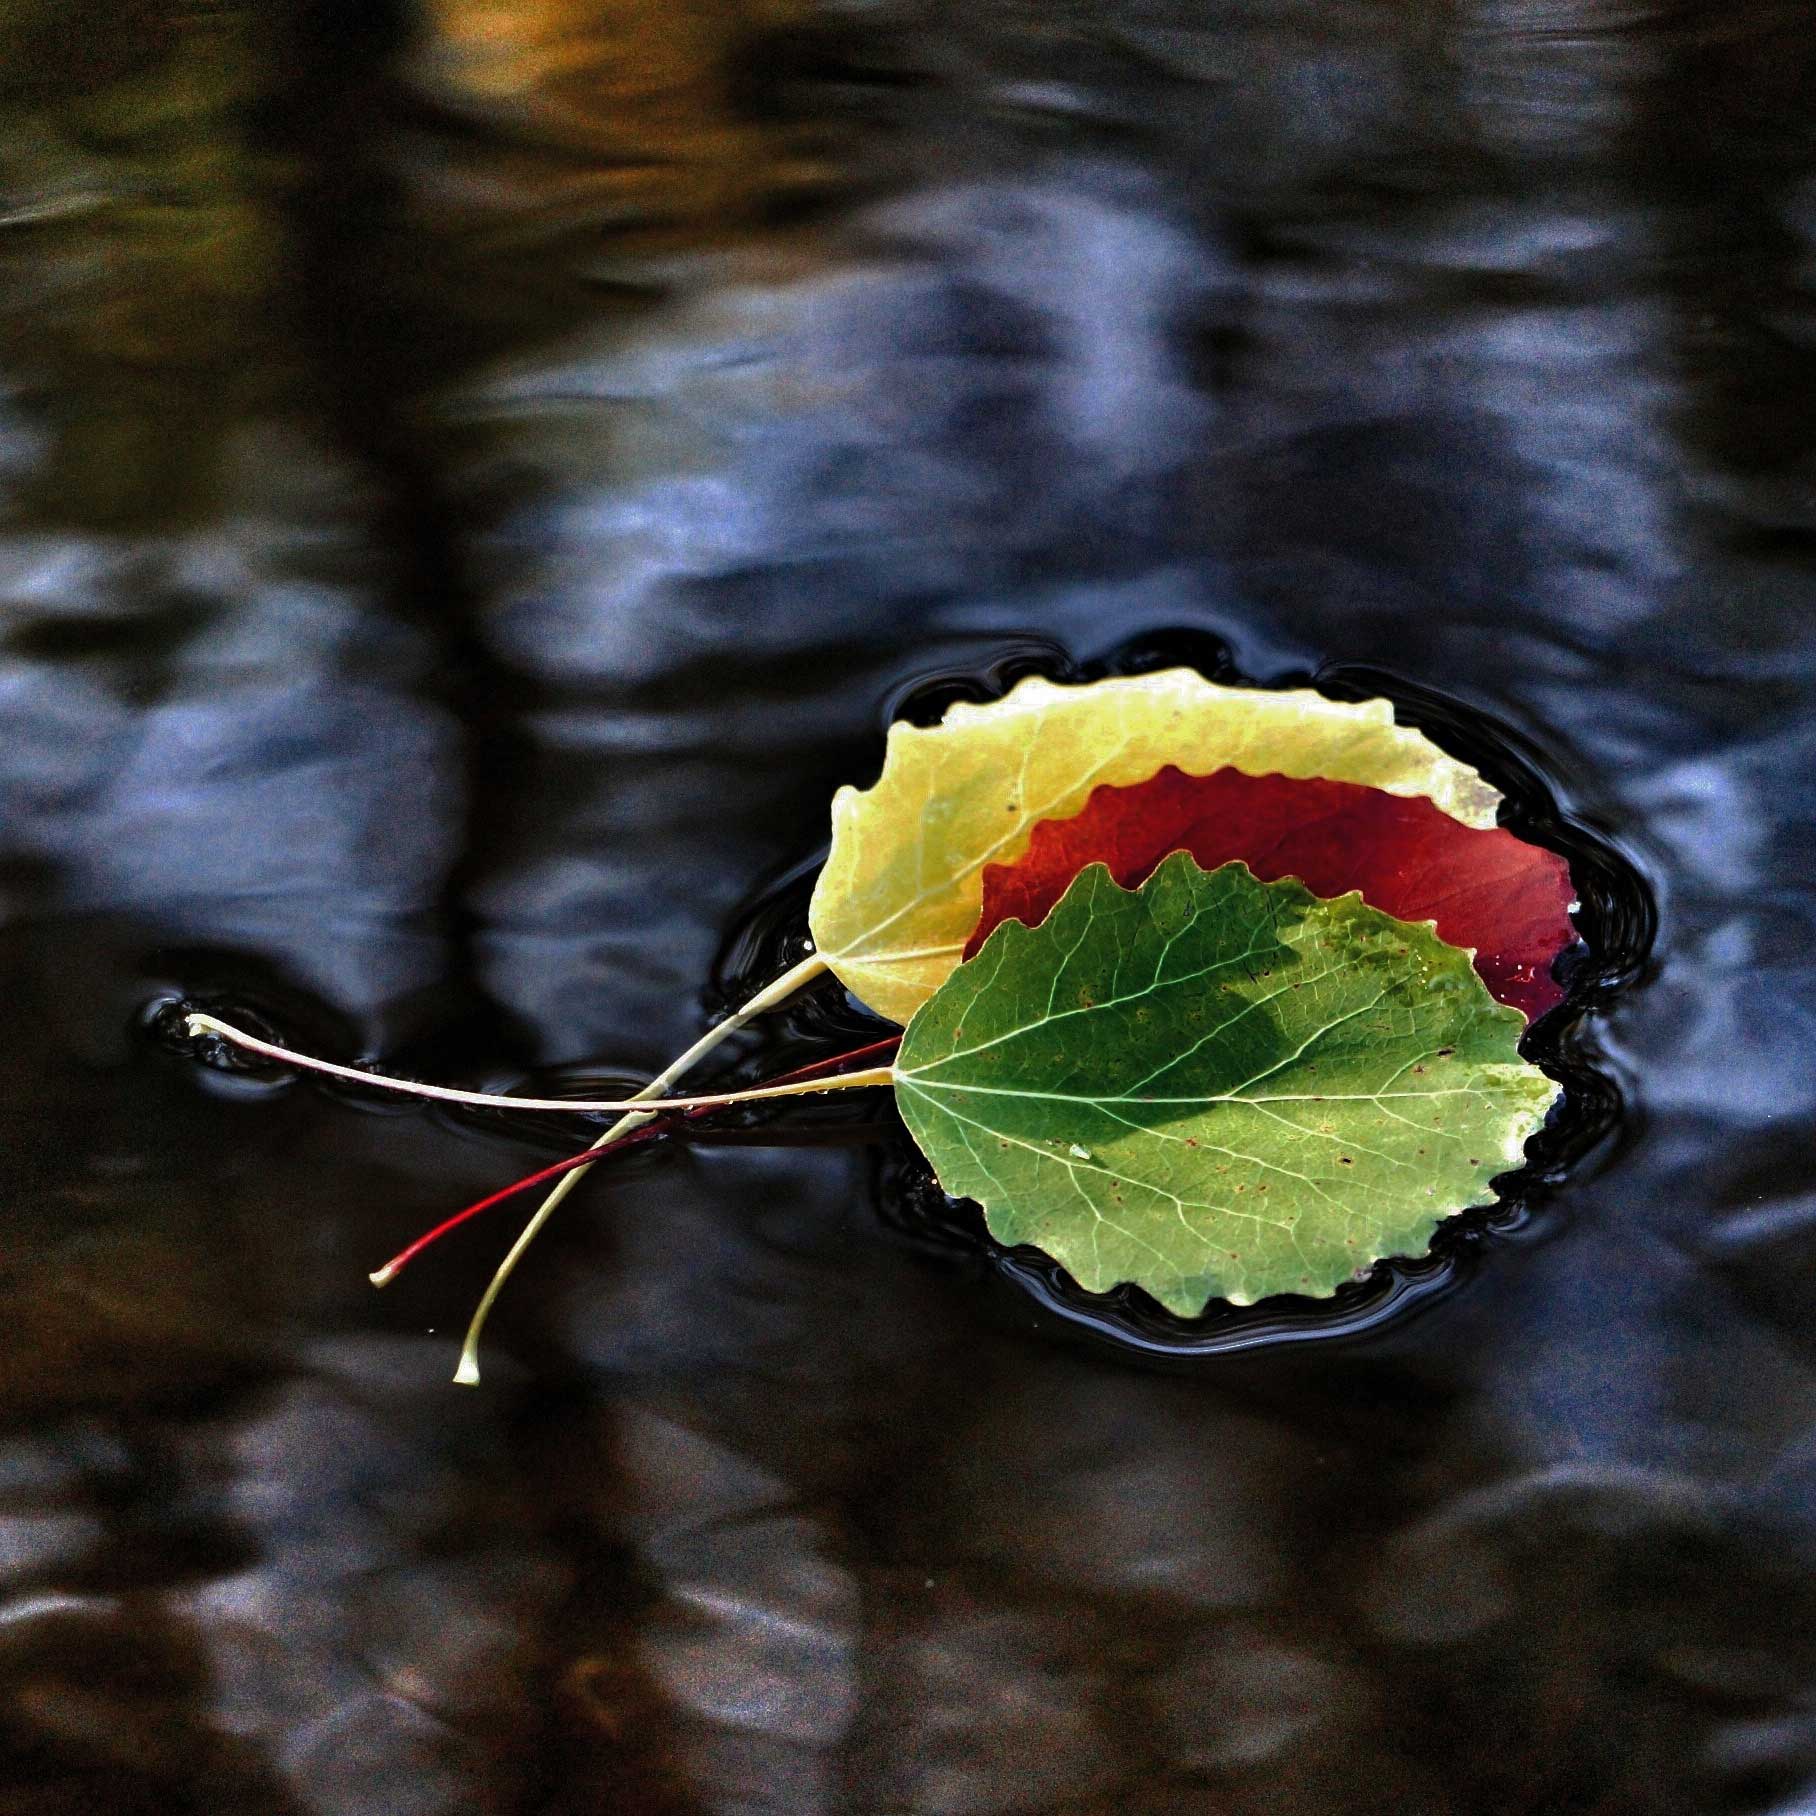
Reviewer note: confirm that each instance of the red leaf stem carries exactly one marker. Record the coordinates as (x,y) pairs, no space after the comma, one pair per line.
(660,1125)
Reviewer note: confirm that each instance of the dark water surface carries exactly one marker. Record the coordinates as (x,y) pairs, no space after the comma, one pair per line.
(476,476)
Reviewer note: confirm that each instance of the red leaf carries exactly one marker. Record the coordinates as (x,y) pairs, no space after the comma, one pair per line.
(1410,859)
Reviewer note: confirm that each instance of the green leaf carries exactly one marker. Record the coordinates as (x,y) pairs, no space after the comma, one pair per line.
(1216,1087)
(902,887)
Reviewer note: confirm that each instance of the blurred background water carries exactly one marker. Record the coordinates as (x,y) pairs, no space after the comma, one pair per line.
(474,476)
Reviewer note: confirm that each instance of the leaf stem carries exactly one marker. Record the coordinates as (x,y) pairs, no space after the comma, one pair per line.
(467,1373)
(385,1275)
(500,1100)
(634,1112)
(656,1126)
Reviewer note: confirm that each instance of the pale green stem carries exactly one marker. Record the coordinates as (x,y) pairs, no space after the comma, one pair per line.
(503,1100)
(633,1117)
(467,1374)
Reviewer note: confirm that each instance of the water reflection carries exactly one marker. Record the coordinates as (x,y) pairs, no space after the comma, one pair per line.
(475,477)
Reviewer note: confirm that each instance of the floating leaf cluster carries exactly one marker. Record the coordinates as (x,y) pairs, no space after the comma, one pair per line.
(1213,991)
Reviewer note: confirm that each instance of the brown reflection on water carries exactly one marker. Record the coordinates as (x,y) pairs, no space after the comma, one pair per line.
(640,113)
(141,266)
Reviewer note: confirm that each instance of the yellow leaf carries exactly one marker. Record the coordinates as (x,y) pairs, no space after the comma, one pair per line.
(902,888)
